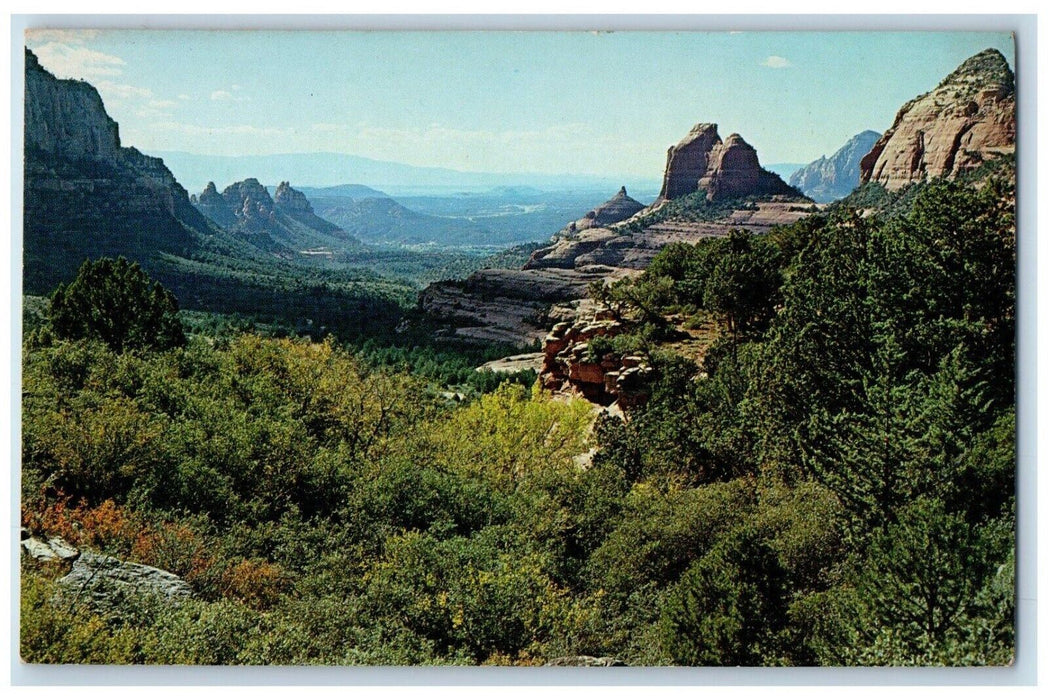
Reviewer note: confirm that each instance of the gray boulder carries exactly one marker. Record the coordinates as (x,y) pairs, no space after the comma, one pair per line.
(49,549)
(104,582)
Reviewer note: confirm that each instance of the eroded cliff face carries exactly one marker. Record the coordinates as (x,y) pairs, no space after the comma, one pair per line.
(283,224)
(724,169)
(833,177)
(251,204)
(294,204)
(967,119)
(66,118)
(85,194)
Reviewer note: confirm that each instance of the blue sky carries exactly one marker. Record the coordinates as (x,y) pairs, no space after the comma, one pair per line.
(539,102)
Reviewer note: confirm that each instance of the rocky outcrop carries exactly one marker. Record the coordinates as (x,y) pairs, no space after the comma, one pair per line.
(587,661)
(44,548)
(618,208)
(295,205)
(517,306)
(574,361)
(104,582)
(284,224)
(829,179)
(213,205)
(688,161)
(511,306)
(595,246)
(85,194)
(514,363)
(723,169)
(967,119)
(250,203)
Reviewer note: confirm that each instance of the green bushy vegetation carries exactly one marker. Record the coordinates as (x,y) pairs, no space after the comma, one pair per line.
(833,485)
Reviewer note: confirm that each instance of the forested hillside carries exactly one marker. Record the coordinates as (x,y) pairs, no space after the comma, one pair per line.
(831,481)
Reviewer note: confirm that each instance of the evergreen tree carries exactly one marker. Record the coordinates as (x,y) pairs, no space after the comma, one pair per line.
(115,301)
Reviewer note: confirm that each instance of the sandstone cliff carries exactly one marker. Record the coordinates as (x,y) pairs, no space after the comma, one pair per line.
(828,179)
(967,119)
(724,169)
(517,306)
(85,194)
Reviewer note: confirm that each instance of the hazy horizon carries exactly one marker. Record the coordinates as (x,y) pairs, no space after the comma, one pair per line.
(530,103)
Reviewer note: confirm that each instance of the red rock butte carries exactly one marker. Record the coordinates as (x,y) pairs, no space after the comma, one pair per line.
(726,169)
(967,119)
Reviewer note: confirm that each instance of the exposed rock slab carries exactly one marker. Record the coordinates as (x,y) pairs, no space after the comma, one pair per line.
(510,306)
(514,363)
(967,119)
(103,582)
(571,364)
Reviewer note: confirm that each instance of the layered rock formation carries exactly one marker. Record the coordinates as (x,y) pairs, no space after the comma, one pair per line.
(572,362)
(828,179)
(633,250)
(85,194)
(618,208)
(516,306)
(512,306)
(284,223)
(294,204)
(723,169)
(967,119)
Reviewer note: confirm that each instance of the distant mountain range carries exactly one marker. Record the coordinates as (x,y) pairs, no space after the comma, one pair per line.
(828,179)
(317,170)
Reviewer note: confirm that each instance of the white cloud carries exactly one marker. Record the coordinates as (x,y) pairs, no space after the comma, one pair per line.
(67,61)
(231,130)
(184,97)
(776,62)
(120,92)
(227,96)
(156,109)
(62,36)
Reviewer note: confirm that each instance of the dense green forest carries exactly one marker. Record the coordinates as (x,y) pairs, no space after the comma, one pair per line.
(832,484)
